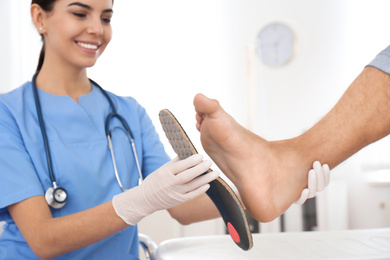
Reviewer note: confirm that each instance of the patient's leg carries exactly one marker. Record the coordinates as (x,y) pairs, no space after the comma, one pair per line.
(270,175)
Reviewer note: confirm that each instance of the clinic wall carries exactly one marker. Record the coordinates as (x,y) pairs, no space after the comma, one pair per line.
(164,52)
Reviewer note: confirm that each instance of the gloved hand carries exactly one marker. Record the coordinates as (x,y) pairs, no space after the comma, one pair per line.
(172,184)
(318,179)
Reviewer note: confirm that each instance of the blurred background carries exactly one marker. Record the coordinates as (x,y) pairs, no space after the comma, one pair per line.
(164,52)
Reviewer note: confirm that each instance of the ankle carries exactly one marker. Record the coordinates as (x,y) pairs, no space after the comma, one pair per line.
(291,158)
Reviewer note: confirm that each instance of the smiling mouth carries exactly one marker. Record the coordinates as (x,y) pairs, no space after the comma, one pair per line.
(88,46)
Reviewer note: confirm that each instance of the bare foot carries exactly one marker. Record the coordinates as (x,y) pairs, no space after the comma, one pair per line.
(268,175)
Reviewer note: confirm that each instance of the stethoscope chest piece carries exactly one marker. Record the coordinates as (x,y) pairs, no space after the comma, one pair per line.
(56,196)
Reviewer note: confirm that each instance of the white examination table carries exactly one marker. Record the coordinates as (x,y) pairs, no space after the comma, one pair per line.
(349,244)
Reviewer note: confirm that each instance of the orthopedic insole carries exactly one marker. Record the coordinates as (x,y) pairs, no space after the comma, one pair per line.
(224,198)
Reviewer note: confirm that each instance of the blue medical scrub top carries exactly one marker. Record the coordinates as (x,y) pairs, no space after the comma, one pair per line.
(81,161)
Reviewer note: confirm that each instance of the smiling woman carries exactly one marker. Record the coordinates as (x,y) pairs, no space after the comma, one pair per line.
(80,11)
(55,129)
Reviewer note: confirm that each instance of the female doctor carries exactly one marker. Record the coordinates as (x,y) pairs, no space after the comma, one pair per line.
(60,193)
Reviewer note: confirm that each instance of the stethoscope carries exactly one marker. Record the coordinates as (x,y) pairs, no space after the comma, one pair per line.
(56,196)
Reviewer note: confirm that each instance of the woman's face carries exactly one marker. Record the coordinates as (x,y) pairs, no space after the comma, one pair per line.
(78,31)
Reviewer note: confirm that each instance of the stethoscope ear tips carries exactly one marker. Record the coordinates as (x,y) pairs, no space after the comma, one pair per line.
(56,196)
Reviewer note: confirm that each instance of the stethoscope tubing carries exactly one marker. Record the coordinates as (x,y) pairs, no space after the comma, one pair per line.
(43,130)
(112,115)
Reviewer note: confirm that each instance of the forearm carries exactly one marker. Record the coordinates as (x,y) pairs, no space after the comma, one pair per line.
(49,237)
(196,210)
(361,117)
(82,229)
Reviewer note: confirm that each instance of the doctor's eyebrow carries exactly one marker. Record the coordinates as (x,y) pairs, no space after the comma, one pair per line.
(89,7)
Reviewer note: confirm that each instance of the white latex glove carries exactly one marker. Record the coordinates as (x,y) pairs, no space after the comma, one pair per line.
(172,184)
(318,179)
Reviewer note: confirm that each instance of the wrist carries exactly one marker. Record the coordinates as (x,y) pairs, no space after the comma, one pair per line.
(127,206)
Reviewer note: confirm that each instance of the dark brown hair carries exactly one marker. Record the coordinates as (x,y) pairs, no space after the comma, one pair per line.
(46,5)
